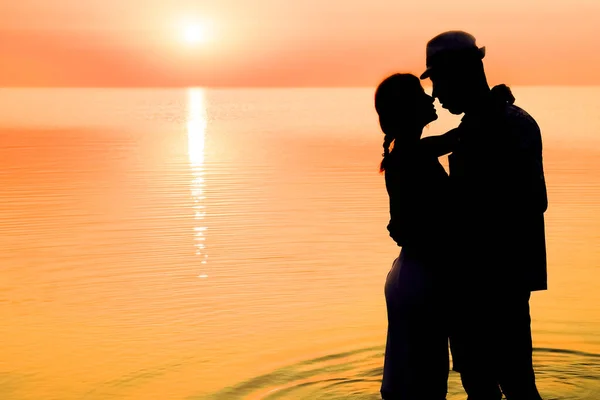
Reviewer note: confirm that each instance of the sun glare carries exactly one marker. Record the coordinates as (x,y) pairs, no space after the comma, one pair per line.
(194,33)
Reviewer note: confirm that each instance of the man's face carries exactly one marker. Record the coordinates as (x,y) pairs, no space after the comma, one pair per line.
(449,89)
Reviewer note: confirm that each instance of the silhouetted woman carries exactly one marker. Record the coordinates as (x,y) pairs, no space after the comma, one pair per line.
(416,355)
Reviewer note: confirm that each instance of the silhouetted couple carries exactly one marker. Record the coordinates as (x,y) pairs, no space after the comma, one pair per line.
(473,241)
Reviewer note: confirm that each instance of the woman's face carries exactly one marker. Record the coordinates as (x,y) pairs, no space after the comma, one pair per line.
(418,106)
(403,106)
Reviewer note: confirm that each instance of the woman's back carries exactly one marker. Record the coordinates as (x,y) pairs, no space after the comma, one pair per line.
(417,185)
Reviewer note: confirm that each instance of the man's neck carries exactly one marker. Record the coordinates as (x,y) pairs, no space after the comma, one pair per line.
(478,100)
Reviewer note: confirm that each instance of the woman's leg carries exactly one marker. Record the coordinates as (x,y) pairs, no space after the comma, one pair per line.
(416,361)
(395,371)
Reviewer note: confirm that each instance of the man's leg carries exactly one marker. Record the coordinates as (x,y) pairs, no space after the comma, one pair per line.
(473,340)
(516,374)
(480,386)
(478,378)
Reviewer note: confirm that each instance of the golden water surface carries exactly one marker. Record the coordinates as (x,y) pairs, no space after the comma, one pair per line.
(231,244)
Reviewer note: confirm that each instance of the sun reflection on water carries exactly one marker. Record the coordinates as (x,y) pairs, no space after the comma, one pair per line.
(196,130)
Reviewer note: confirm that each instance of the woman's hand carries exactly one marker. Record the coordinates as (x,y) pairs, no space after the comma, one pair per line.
(440,145)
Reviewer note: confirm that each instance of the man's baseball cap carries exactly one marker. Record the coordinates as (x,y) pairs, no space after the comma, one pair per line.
(449,46)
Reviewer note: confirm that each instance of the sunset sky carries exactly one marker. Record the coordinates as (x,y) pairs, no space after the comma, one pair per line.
(287,42)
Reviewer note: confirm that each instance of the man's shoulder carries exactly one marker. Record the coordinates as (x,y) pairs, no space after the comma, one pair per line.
(511,113)
(523,128)
(519,118)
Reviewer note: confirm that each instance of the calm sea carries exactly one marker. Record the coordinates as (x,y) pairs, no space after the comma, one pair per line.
(231,244)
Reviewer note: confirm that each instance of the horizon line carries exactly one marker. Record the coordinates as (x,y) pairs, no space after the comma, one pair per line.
(225,87)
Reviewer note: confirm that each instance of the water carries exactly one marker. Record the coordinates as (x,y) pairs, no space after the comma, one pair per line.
(231,244)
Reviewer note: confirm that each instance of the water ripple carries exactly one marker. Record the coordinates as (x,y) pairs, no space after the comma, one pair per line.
(561,374)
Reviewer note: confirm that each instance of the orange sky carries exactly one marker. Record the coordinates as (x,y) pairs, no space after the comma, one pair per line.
(288,42)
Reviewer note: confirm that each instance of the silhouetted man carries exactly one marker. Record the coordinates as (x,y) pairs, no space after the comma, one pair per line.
(499,196)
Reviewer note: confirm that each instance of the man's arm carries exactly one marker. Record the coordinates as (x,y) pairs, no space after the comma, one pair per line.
(521,183)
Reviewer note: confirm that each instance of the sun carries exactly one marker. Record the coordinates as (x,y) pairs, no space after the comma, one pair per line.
(194,33)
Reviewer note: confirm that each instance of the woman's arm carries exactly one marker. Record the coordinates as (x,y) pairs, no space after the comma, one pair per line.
(440,145)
